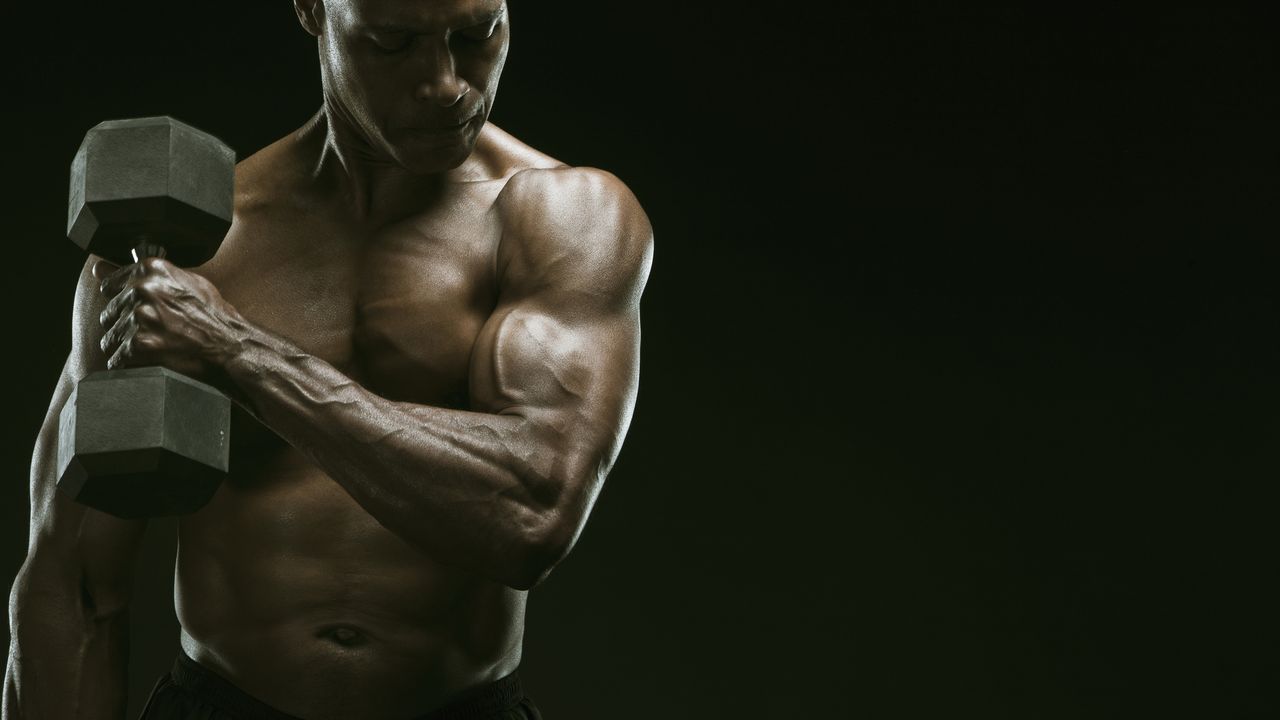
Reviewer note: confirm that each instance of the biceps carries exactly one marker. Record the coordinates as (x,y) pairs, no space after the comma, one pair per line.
(533,363)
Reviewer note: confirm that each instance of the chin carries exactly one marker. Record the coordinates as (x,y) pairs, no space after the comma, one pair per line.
(420,158)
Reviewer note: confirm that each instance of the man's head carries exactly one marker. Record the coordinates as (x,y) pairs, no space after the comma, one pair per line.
(402,73)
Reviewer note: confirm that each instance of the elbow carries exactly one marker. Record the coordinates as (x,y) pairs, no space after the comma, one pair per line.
(551,519)
(104,604)
(46,580)
(540,550)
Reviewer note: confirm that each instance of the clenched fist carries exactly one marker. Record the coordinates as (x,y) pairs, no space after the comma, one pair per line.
(160,314)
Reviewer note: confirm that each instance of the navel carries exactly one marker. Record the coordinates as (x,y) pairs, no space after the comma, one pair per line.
(344,635)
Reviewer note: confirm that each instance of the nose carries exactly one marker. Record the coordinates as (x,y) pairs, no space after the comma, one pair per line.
(440,84)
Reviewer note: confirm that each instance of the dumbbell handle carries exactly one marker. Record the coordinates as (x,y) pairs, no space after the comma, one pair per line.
(145,247)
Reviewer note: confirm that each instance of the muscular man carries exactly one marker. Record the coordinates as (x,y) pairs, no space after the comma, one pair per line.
(433,332)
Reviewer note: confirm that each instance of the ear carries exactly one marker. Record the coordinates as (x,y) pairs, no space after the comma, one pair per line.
(311,15)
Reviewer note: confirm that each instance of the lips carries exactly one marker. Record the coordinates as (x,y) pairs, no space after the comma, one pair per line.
(441,129)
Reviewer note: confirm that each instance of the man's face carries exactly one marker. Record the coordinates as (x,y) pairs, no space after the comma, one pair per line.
(416,77)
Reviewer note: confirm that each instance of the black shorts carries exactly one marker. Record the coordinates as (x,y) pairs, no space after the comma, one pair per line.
(192,691)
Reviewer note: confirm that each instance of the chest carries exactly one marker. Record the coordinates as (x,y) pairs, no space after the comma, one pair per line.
(398,308)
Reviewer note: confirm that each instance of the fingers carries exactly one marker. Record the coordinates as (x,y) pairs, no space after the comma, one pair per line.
(118,278)
(118,315)
(132,339)
(136,331)
(118,341)
(117,285)
(122,353)
(119,305)
(118,331)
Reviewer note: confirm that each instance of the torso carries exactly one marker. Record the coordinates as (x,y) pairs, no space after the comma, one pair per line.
(285,585)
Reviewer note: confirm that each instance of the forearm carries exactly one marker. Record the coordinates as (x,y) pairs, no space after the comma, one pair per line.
(64,662)
(465,487)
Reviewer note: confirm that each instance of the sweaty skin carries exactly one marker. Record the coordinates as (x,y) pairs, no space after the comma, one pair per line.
(432,338)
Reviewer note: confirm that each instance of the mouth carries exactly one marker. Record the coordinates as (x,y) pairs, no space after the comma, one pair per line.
(436,130)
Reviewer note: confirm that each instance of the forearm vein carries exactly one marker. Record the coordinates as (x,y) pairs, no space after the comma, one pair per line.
(460,485)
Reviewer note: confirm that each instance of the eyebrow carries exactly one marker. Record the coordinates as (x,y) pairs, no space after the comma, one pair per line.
(467,21)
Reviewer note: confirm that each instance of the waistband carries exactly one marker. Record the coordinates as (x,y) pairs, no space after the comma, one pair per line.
(474,704)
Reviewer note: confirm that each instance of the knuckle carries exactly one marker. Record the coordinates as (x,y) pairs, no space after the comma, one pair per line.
(146,315)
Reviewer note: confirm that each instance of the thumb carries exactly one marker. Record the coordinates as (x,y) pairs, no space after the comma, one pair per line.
(102,269)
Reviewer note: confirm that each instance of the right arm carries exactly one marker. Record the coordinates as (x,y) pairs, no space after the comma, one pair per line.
(68,609)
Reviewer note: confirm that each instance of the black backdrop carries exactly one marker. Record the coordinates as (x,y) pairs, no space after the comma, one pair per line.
(959,382)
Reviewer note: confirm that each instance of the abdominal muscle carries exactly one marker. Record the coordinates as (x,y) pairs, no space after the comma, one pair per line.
(289,589)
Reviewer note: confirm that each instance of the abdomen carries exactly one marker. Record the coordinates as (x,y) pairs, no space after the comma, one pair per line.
(286,586)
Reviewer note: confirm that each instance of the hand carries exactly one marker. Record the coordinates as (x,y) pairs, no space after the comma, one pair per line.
(160,314)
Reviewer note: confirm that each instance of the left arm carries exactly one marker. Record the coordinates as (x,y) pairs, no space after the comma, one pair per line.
(506,488)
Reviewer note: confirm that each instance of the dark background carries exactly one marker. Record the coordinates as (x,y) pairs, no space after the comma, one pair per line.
(959,382)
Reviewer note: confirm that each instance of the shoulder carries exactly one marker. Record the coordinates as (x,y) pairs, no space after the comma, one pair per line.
(266,176)
(540,192)
(568,194)
(574,228)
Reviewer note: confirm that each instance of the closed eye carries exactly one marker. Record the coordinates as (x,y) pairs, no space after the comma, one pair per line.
(478,33)
(392,43)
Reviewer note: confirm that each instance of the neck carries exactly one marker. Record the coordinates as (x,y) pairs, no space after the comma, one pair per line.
(362,175)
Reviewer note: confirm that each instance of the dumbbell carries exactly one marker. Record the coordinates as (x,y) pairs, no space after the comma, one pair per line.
(146,442)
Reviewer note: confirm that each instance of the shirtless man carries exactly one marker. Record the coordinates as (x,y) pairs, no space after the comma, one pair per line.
(432,333)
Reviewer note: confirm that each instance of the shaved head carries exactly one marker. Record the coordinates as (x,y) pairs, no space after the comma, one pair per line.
(413,80)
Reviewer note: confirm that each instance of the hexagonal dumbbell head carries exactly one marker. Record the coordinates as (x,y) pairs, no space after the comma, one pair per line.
(153,179)
(143,442)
